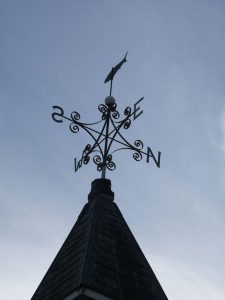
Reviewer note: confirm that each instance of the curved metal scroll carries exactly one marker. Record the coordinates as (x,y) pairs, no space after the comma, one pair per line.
(103,139)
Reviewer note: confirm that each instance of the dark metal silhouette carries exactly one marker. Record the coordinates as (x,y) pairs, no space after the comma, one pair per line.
(104,139)
(109,134)
(115,69)
(113,72)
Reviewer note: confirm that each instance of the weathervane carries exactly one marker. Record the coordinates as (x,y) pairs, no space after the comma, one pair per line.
(109,134)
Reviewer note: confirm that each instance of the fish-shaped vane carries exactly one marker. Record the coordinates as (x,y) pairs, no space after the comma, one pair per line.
(115,69)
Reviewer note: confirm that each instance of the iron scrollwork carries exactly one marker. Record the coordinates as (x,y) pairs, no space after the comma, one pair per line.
(109,135)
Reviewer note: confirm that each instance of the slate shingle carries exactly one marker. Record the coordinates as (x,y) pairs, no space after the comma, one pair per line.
(100,254)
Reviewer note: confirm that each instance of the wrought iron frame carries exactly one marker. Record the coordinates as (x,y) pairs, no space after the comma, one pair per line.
(110,132)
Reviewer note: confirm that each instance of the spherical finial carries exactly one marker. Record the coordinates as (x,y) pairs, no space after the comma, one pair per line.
(110,100)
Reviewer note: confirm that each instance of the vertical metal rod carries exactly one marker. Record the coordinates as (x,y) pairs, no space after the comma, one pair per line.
(106,144)
(103,172)
(111,87)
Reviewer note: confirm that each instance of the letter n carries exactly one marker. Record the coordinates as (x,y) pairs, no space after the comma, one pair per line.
(150,154)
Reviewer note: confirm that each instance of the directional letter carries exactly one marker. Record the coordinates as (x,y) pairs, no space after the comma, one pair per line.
(78,165)
(60,114)
(136,109)
(150,154)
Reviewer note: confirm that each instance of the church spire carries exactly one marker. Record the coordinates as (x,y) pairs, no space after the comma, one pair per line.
(100,258)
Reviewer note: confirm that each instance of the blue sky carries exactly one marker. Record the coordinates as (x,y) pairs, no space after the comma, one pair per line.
(59,53)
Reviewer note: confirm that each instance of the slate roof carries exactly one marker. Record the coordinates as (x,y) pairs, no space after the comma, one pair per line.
(100,254)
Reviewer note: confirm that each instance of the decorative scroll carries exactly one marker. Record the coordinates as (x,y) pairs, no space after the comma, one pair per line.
(74,128)
(107,136)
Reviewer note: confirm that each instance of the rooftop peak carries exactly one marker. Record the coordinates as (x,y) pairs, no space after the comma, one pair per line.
(100,259)
(101,188)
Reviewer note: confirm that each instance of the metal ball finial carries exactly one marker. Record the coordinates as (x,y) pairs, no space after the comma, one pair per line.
(110,101)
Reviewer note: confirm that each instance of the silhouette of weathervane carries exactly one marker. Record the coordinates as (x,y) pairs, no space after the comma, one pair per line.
(108,135)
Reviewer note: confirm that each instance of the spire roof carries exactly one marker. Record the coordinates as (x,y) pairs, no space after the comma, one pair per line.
(100,259)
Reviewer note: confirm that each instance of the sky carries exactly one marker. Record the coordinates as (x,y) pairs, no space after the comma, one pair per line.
(59,53)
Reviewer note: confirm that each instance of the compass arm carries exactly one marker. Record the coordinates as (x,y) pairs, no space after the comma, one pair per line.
(117,128)
(120,135)
(75,116)
(75,125)
(137,147)
(96,144)
(109,133)
(126,122)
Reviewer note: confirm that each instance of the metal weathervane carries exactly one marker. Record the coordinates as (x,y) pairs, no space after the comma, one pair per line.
(104,139)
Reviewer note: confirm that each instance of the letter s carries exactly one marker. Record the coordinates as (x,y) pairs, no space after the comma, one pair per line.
(60,114)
